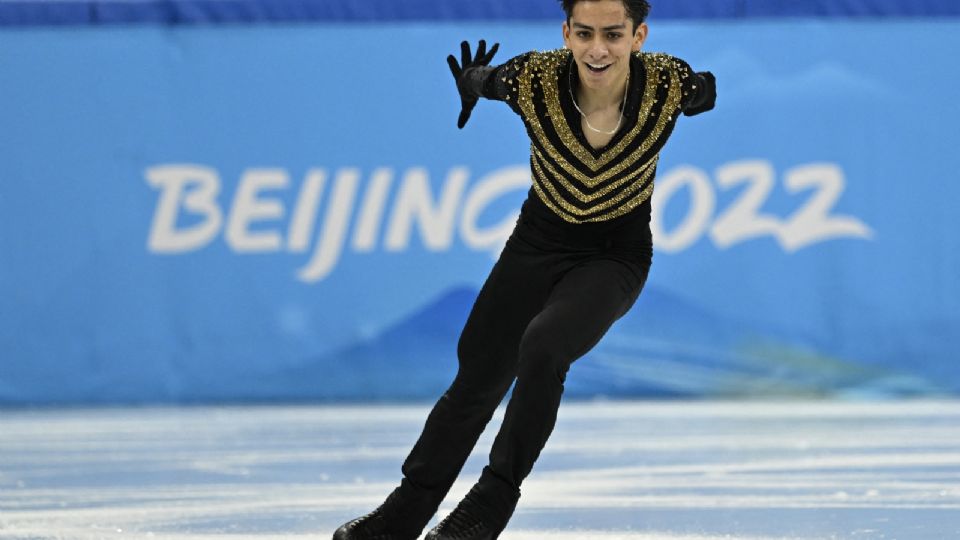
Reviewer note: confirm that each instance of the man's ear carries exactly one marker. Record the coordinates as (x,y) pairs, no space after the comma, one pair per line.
(640,36)
(566,35)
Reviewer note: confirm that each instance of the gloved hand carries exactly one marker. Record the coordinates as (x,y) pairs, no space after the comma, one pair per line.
(470,86)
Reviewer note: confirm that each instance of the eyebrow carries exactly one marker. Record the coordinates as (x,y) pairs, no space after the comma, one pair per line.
(605,28)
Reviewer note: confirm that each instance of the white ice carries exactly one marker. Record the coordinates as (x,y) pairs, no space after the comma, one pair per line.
(612,470)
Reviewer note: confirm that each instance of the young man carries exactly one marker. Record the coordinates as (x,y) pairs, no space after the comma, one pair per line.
(597,112)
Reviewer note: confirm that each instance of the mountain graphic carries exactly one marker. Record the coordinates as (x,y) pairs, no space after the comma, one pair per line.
(415,359)
(664,347)
(667,346)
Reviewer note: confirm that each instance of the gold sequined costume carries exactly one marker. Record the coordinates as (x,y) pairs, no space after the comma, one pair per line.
(575,263)
(576,182)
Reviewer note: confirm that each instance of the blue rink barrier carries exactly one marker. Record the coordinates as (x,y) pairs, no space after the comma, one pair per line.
(250,213)
(174,12)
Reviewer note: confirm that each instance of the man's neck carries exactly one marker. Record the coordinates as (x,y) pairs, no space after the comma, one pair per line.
(593,99)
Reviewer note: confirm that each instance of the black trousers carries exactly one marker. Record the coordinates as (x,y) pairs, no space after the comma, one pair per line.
(548,300)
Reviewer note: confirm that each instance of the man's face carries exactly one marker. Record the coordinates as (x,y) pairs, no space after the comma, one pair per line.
(602,38)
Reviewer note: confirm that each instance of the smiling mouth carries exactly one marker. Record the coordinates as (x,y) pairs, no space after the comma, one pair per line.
(597,68)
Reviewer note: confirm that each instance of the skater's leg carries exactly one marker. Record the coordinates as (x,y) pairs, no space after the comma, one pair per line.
(514,292)
(579,310)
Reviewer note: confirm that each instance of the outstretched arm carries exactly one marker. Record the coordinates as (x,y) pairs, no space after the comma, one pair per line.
(704,92)
(471,76)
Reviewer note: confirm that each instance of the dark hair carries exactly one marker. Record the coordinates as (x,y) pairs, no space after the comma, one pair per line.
(637,10)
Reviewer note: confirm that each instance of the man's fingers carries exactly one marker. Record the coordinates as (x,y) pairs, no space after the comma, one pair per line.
(483,57)
(465,54)
(452,61)
(493,50)
(466,107)
(464,116)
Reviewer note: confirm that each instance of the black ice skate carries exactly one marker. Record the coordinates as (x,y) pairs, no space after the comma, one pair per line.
(466,522)
(482,514)
(372,526)
(401,517)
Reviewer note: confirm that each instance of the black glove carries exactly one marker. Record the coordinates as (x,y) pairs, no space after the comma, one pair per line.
(706,96)
(469,76)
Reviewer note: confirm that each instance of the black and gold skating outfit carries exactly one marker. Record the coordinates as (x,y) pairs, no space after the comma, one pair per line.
(573,180)
(575,263)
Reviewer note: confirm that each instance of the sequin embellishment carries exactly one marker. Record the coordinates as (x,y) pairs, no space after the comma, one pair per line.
(569,178)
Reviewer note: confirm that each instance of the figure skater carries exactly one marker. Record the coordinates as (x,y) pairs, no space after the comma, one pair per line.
(598,113)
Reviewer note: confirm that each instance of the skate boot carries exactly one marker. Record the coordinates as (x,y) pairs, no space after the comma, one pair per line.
(402,516)
(481,515)
(464,523)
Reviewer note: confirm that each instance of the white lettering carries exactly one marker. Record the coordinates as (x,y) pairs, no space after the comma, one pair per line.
(188,216)
(416,203)
(488,189)
(812,223)
(247,208)
(173,180)
(743,220)
(365,237)
(328,248)
(809,224)
(698,216)
(305,213)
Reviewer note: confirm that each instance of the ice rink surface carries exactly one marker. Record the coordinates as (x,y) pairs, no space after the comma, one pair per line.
(612,470)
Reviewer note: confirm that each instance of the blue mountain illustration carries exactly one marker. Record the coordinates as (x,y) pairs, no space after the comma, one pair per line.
(415,359)
(665,346)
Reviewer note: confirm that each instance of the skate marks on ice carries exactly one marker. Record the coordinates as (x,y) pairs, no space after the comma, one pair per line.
(671,471)
(771,470)
(187,473)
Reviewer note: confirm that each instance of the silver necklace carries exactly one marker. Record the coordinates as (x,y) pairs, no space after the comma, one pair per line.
(574,100)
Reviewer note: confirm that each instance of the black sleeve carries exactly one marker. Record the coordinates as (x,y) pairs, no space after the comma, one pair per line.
(702,93)
(497,83)
(503,85)
(699,88)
